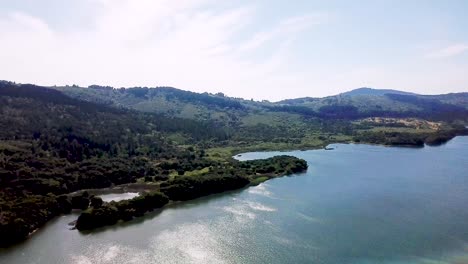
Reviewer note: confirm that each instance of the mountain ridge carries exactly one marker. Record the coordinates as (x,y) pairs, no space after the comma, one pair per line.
(352,92)
(374,91)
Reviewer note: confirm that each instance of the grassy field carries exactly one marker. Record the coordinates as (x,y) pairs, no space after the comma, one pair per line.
(259,180)
(313,141)
(197,172)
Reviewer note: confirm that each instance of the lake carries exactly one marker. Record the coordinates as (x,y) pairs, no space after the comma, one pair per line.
(356,204)
(118,196)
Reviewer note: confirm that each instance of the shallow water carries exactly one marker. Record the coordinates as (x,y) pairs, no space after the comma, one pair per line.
(117,196)
(355,204)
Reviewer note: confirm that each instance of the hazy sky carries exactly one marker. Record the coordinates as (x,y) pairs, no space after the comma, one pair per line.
(262,49)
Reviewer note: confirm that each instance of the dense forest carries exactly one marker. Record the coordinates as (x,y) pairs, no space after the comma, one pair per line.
(52,145)
(359,103)
(219,179)
(295,123)
(55,141)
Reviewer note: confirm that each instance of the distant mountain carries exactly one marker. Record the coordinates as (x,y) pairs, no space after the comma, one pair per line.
(163,100)
(235,112)
(363,92)
(459,99)
(372,91)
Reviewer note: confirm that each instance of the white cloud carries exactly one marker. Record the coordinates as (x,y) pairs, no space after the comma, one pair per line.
(450,51)
(190,44)
(289,26)
(29,22)
(213,46)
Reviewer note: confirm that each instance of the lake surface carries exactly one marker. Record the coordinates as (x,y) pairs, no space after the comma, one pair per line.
(356,204)
(118,196)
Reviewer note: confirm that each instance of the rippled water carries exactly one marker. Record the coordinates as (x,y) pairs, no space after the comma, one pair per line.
(356,204)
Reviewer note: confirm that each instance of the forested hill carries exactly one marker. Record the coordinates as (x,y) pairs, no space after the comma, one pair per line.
(359,103)
(366,102)
(164,100)
(47,139)
(29,108)
(371,91)
(52,145)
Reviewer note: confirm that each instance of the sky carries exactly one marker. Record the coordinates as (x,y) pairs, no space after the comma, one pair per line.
(260,49)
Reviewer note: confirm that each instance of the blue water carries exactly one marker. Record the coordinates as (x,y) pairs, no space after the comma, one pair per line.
(355,204)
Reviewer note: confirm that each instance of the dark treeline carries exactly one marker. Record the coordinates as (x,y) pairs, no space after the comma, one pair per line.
(173,93)
(296,109)
(291,132)
(408,139)
(219,179)
(238,175)
(429,108)
(102,214)
(275,166)
(335,112)
(204,98)
(187,187)
(432,109)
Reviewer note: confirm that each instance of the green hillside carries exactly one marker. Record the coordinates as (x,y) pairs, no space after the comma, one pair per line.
(288,124)
(359,103)
(176,145)
(52,145)
(372,91)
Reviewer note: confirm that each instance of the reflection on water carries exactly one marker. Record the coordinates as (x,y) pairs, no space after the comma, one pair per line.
(357,204)
(118,196)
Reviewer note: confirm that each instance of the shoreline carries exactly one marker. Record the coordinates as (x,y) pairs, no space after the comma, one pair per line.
(344,143)
(186,188)
(242,151)
(238,151)
(143,188)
